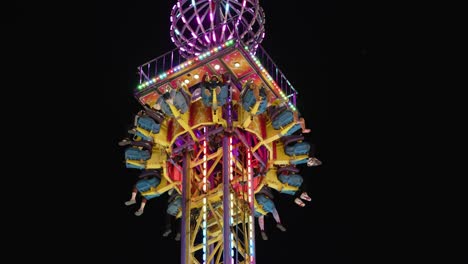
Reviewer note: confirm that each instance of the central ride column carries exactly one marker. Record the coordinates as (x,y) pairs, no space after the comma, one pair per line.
(227,237)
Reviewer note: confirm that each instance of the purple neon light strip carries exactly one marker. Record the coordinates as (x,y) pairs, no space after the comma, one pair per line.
(199,21)
(244,3)
(212,20)
(185,22)
(211,13)
(205,32)
(200,24)
(225,20)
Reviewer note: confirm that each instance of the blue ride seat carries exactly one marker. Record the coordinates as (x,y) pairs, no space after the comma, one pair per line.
(293,129)
(282,118)
(149,124)
(249,100)
(174,206)
(265,202)
(223,95)
(301,161)
(221,98)
(134,166)
(300,148)
(137,154)
(181,101)
(291,179)
(144,185)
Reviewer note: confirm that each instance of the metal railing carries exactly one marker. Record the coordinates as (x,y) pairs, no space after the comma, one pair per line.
(277,75)
(171,59)
(160,64)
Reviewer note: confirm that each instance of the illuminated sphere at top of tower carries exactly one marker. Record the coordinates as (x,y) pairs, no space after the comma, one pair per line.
(199,25)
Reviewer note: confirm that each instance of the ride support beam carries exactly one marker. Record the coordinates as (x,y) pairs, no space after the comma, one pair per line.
(226,201)
(185,254)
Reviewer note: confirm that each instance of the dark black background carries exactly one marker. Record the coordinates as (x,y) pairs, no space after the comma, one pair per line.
(79,60)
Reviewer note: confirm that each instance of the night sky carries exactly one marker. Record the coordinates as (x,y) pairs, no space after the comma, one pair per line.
(120,36)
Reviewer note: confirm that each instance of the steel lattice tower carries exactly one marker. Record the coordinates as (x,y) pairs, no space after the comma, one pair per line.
(220,135)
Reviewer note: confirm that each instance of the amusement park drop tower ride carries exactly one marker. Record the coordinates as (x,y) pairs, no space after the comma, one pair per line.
(220,38)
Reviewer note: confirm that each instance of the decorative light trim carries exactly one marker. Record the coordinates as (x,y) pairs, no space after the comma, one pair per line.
(205,213)
(181,66)
(231,172)
(250,196)
(270,79)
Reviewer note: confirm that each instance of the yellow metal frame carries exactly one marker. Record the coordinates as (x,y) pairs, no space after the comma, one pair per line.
(273,134)
(284,159)
(271,180)
(248,116)
(215,224)
(182,119)
(158,138)
(249,121)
